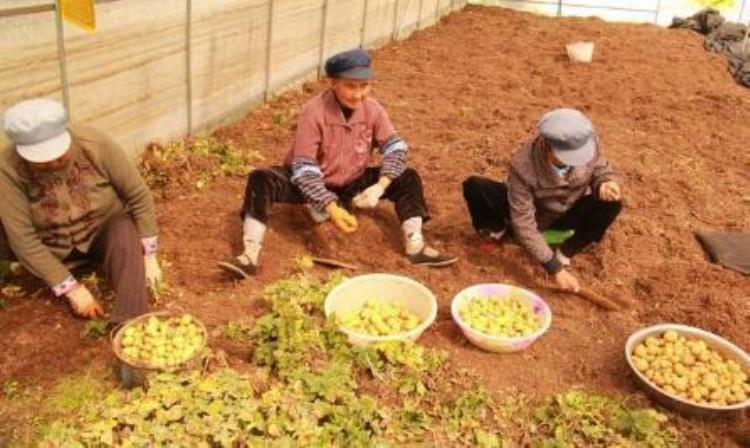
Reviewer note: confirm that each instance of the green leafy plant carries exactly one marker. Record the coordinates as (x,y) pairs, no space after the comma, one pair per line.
(11,389)
(94,328)
(3,304)
(578,418)
(195,162)
(307,386)
(238,332)
(279,119)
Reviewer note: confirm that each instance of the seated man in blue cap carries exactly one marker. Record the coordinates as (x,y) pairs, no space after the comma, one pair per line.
(71,194)
(558,180)
(327,168)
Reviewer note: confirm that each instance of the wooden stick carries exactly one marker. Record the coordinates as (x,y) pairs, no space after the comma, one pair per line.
(598,299)
(334,263)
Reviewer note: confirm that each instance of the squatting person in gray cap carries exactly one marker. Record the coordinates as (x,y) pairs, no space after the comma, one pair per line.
(327,168)
(558,180)
(71,194)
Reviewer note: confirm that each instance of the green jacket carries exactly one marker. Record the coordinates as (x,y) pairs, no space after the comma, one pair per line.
(48,214)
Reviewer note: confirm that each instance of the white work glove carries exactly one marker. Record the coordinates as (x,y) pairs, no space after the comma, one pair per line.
(83,303)
(609,191)
(154,275)
(567,281)
(370,196)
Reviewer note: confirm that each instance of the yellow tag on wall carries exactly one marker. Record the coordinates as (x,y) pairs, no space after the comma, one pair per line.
(80,13)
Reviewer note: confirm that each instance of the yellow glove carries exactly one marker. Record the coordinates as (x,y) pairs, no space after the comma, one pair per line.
(344,220)
(153,273)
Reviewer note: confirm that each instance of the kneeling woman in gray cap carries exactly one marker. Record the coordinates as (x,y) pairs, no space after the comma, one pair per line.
(70,193)
(559,180)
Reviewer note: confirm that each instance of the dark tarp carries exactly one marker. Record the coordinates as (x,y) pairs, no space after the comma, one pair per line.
(721,36)
(731,250)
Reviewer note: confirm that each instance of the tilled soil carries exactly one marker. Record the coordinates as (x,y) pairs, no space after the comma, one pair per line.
(465,95)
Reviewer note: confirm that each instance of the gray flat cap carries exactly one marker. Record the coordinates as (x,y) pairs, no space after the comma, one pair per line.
(352,64)
(37,127)
(570,134)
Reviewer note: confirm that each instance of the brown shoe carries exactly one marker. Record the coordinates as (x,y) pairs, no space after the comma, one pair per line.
(239,266)
(432,258)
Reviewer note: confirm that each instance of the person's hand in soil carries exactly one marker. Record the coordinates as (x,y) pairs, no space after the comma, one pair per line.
(83,303)
(609,191)
(567,281)
(341,218)
(371,195)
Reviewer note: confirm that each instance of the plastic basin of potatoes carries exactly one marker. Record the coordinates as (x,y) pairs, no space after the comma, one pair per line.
(725,348)
(351,294)
(494,343)
(139,366)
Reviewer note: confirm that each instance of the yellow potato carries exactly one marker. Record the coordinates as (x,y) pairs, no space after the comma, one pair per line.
(710,381)
(654,349)
(680,369)
(641,351)
(680,383)
(688,359)
(670,335)
(640,364)
(659,379)
(695,396)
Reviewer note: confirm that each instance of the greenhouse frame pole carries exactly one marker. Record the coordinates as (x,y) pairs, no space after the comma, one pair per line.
(323,26)
(658,12)
(419,16)
(394,33)
(62,57)
(559,8)
(437,11)
(747,26)
(363,29)
(269,42)
(189,63)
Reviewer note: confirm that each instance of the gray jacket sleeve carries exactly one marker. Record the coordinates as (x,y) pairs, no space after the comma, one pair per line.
(603,172)
(523,220)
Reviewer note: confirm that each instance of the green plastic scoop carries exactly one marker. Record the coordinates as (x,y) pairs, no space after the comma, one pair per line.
(554,236)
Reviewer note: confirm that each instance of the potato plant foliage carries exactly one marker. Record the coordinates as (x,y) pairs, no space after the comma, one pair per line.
(308,387)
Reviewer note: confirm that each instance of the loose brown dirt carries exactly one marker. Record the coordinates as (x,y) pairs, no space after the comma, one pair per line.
(465,95)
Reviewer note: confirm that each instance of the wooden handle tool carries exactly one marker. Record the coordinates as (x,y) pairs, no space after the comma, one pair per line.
(331,263)
(598,299)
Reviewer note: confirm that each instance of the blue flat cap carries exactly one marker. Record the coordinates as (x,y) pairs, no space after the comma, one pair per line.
(570,134)
(352,64)
(37,127)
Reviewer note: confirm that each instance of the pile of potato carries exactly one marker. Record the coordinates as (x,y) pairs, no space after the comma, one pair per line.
(510,317)
(380,319)
(689,369)
(162,342)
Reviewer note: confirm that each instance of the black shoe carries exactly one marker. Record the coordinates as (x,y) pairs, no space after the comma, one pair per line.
(239,266)
(432,258)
